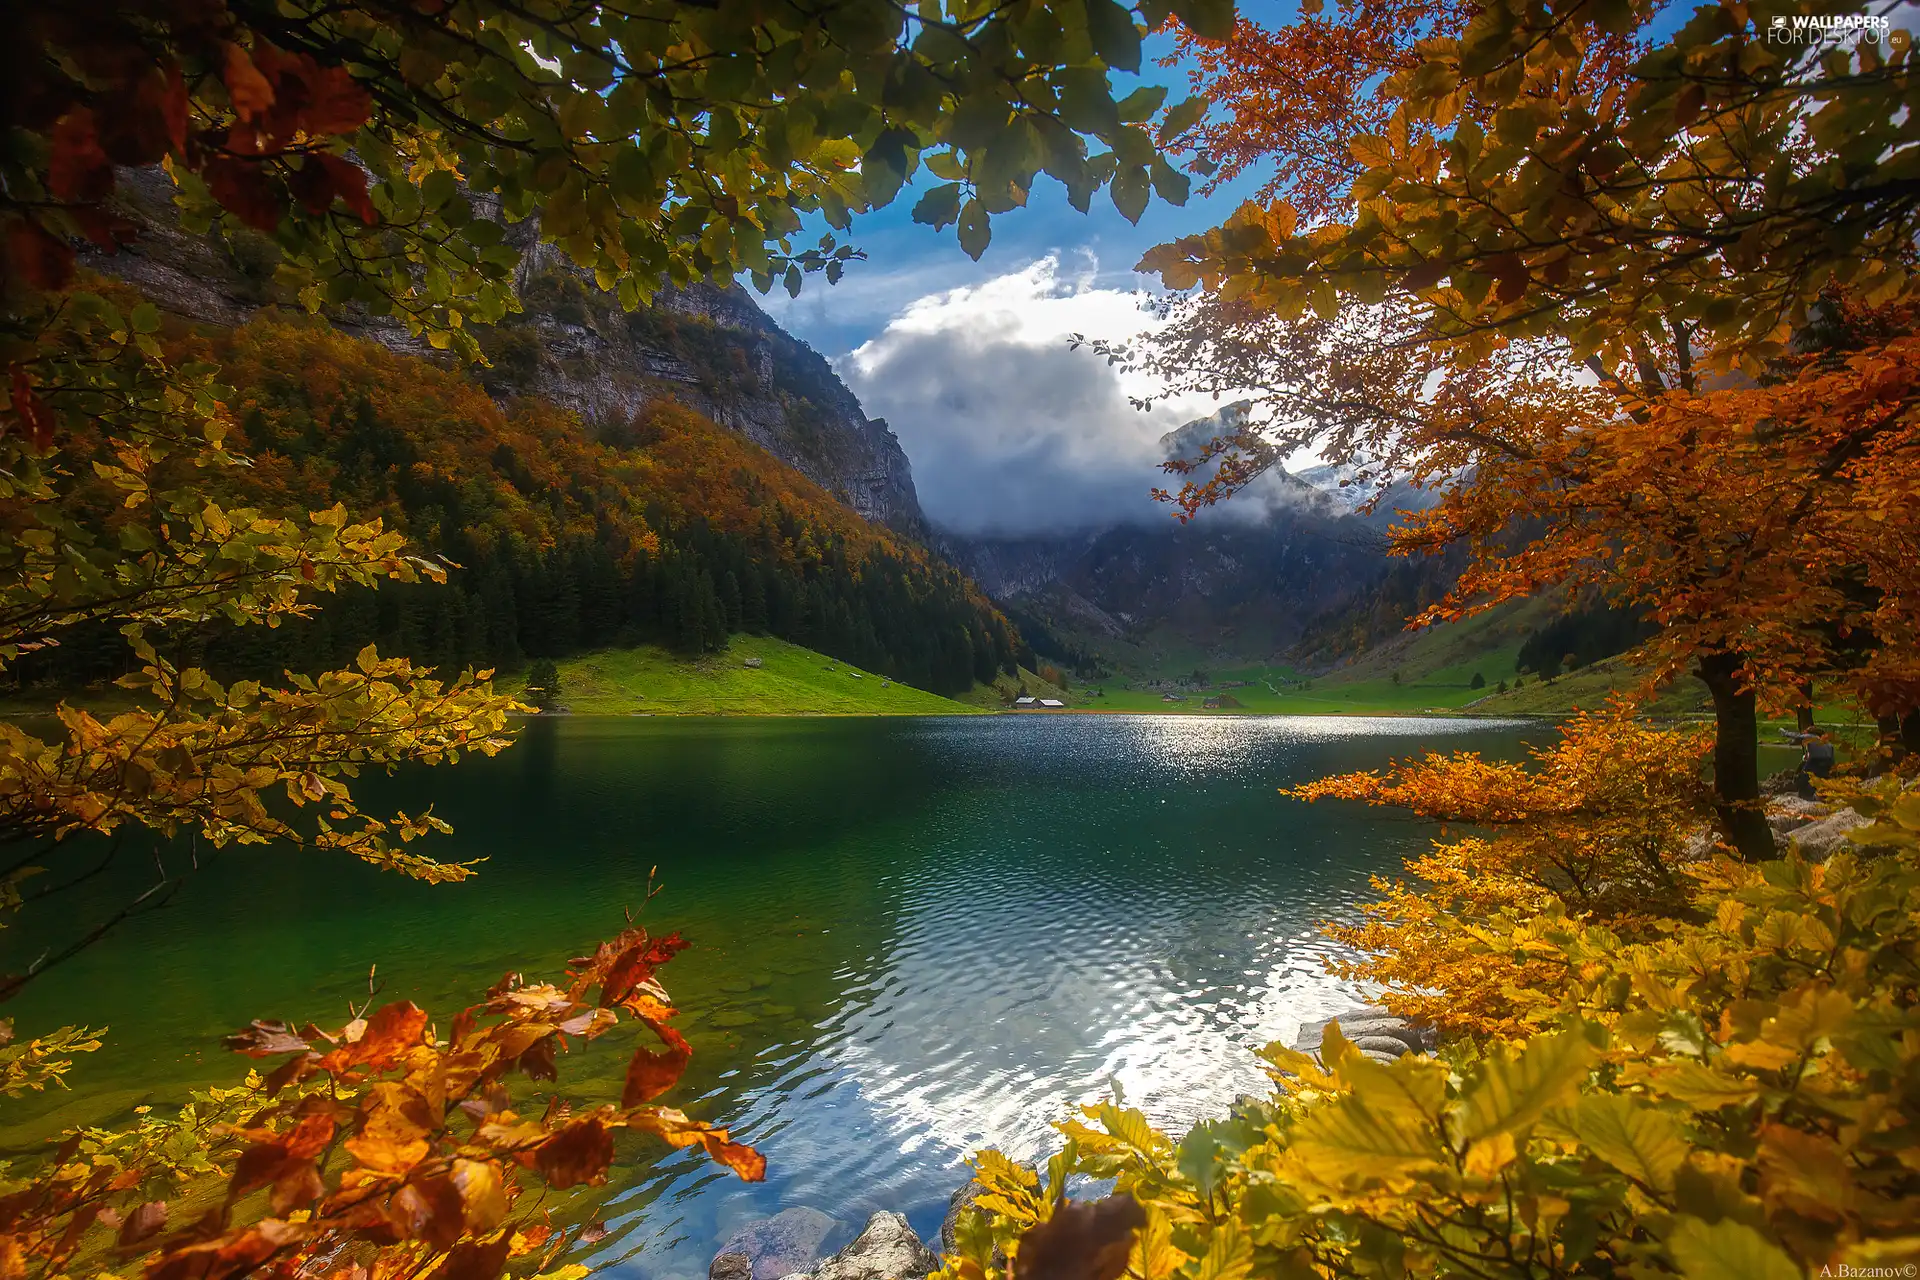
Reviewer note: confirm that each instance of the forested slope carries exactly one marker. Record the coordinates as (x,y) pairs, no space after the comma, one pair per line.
(665,528)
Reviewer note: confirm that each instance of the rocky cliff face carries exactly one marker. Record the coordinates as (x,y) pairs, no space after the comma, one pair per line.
(710,348)
(715,351)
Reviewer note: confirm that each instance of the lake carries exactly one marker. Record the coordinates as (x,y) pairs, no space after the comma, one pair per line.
(911,937)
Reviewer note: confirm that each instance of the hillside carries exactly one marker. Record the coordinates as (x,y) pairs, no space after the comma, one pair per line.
(709,348)
(666,529)
(790,680)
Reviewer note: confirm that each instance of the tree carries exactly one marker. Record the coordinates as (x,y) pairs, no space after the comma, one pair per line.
(543,683)
(384,150)
(1671,1096)
(1598,827)
(1516,295)
(381,145)
(1478,682)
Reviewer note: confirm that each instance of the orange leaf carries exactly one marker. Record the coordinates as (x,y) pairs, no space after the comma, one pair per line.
(578,1153)
(651,1074)
(249,91)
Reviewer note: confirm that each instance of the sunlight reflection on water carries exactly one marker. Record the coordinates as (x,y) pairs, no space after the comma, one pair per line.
(1091,901)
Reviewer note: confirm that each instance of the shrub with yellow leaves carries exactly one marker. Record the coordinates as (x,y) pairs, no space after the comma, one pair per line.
(1596,829)
(1726,1091)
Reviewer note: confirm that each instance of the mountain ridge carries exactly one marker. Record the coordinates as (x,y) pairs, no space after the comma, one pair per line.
(709,347)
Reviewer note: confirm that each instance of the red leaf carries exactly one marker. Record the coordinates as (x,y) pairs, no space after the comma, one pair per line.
(636,964)
(335,102)
(391,1031)
(1081,1241)
(578,1153)
(349,182)
(651,1074)
(248,90)
(43,260)
(79,170)
(472,1260)
(32,414)
(309,1137)
(243,189)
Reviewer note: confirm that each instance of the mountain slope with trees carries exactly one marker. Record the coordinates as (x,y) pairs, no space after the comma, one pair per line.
(664,529)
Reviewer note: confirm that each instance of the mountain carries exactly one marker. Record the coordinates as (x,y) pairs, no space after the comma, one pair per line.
(709,348)
(1286,559)
(669,476)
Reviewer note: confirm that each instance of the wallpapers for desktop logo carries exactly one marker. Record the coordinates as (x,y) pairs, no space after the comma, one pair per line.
(1843,30)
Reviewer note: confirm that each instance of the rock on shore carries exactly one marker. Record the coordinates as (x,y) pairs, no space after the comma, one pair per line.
(788,1245)
(1378,1034)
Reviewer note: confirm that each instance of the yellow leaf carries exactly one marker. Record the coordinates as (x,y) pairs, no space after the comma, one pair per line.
(1229,1255)
(1727,1250)
(1486,1159)
(1154,1254)
(1373,152)
(1639,1141)
(1699,1086)
(1510,1093)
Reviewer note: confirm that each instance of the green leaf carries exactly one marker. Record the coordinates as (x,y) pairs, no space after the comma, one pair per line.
(1208,19)
(1169,183)
(1727,1250)
(944,165)
(939,206)
(1639,1141)
(1114,36)
(145,318)
(974,231)
(1130,190)
(1181,118)
(1509,1094)
(1142,103)
(1201,1156)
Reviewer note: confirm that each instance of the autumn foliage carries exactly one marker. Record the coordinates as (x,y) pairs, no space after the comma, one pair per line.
(381,1149)
(1596,277)
(1599,827)
(1659,1060)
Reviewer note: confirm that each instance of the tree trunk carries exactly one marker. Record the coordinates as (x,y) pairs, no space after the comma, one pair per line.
(1889,743)
(1736,758)
(1803,714)
(1910,732)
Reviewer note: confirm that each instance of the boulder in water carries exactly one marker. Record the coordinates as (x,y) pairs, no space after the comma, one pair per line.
(787,1242)
(886,1249)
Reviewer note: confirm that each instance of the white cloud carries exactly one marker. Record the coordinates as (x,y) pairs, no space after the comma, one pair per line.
(1011,431)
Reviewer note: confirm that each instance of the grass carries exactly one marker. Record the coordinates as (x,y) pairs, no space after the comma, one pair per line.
(791,681)
(1432,671)
(1004,689)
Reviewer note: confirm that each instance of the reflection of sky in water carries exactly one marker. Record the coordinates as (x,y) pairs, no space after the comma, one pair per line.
(1089,901)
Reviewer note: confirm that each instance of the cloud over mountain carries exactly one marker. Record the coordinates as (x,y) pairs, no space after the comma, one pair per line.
(1012,432)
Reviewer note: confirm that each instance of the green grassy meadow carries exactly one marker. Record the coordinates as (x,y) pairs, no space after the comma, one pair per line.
(791,681)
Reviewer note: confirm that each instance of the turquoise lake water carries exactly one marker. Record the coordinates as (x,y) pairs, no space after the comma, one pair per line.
(911,938)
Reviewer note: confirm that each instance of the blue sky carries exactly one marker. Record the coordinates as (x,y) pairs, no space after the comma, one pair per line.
(1010,432)
(906,261)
